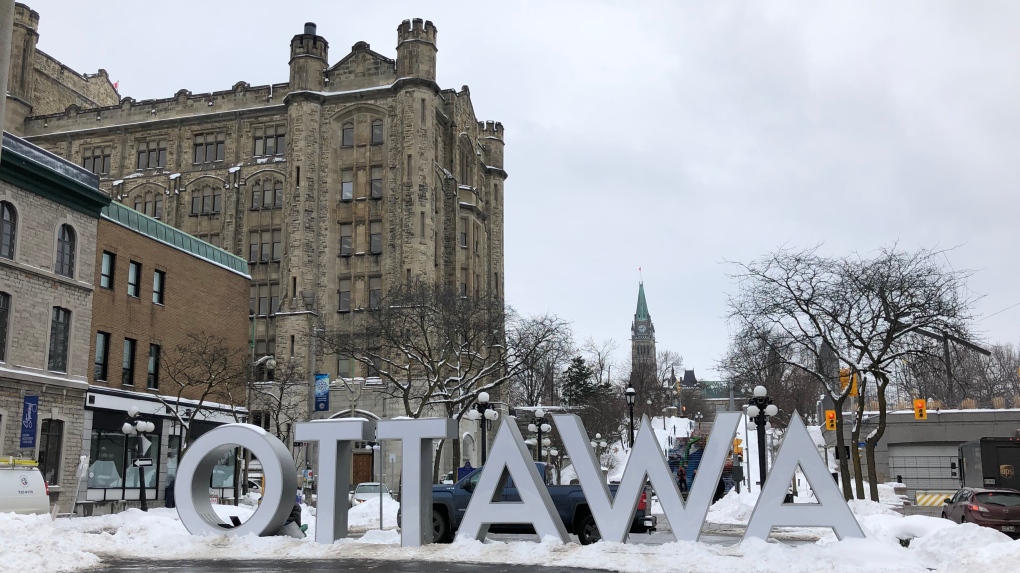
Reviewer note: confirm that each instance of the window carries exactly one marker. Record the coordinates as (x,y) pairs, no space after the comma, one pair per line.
(256,195)
(153,379)
(253,247)
(8,229)
(345,296)
(134,278)
(372,370)
(151,204)
(151,154)
(423,110)
(265,246)
(65,251)
(211,238)
(112,453)
(377,175)
(463,282)
(207,200)
(463,232)
(5,317)
(106,270)
(267,194)
(196,202)
(422,224)
(97,159)
(102,358)
(343,367)
(60,333)
(277,245)
(347,135)
(51,438)
(210,147)
(347,185)
(375,238)
(157,212)
(346,239)
(265,300)
(158,286)
(374,292)
(127,371)
(377,133)
(270,140)
(478,233)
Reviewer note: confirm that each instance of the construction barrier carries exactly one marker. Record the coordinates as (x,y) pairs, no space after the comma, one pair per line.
(932,498)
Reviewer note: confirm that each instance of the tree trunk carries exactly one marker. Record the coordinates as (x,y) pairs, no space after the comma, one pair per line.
(855,452)
(437,461)
(881,383)
(844,462)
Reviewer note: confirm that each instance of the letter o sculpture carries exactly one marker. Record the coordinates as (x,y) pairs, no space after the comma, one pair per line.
(194,475)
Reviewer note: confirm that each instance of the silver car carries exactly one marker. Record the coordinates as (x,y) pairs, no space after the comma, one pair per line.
(368,490)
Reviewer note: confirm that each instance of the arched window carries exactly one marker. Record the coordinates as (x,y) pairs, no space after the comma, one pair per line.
(65,251)
(8,229)
(377,132)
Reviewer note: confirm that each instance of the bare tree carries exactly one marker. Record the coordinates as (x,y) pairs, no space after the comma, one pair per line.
(537,381)
(868,310)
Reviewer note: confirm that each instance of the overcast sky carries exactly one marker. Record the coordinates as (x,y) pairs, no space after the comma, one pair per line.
(671,136)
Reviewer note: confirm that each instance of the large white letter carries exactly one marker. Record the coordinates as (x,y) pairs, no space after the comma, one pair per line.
(416,476)
(830,511)
(334,436)
(614,517)
(195,472)
(509,457)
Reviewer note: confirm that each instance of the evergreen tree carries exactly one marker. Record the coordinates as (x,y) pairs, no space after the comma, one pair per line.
(579,385)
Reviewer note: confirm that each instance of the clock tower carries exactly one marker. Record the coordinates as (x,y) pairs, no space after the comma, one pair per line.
(642,333)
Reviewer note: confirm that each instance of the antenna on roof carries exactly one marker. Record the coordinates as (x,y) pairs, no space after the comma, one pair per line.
(640,276)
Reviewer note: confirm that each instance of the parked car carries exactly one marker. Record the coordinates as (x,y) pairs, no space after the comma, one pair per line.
(368,490)
(23,489)
(997,508)
(449,502)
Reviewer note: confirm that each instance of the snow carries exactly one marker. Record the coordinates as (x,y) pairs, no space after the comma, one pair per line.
(38,544)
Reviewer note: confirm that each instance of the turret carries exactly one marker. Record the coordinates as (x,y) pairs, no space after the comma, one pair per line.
(24,37)
(309,58)
(491,134)
(416,49)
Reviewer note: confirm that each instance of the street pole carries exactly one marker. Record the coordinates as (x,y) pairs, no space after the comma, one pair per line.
(141,476)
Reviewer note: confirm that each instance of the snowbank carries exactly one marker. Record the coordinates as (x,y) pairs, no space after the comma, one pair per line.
(366,515)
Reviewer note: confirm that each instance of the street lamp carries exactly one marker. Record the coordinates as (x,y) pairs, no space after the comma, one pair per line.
(372,448)
(540,426)
(759,409)
(136,427)
(631,395)
(698,416)
(483,409)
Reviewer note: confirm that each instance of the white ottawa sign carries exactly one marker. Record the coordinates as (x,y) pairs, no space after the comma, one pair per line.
(509,458)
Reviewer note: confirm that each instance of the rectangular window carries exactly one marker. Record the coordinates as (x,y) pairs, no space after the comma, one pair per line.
(344,296)
(196,203)
(217,200)
(347,185)
(478,233)
(102,355)
(409,178)
(274,299)
(374,292)
(158,284)
(267,246)
(375,238)
(263,300)
(253,247)
(423,111)
(422,224)
(252,300)
(377,175)
(277,245)
(134,278)
(210,147)
(106,270)
(51,438)
(158,211)
(127,369)
(346,239)
(463,282)
(5,317)
(60,334)
(463,232)
(269,140)
(347,136)
(153,379)
(97,159)
(377,132)
(151,154)
(343,367)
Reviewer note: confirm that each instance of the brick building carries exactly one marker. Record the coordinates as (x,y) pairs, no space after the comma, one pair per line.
(346,179)
(156,287)
(50,211)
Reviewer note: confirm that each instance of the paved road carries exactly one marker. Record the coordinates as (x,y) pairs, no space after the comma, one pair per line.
(325,566)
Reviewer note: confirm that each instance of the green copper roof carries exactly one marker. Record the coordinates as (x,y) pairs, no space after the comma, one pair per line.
(642,306)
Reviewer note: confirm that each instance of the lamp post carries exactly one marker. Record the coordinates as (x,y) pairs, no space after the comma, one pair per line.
(372,447)
(759,409)
(136,427)
(483,409)
(698,417)
(539,426)
(631,395)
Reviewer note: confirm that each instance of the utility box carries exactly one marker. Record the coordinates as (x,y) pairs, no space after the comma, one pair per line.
(990,462)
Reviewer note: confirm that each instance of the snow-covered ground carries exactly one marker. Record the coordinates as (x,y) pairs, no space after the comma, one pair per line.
(38,544)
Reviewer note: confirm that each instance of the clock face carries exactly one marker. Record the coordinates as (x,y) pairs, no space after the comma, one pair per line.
(642,328)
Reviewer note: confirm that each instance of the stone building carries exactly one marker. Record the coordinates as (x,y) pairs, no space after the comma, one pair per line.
(159,293)
(345,179)
(49,212)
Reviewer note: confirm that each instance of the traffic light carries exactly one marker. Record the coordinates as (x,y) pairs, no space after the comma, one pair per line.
(737,449)
(920,409)
(830,419)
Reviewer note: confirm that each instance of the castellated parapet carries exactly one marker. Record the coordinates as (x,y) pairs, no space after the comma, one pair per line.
(416,49)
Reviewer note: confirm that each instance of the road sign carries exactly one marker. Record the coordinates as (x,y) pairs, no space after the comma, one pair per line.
(145,444)
(143,463)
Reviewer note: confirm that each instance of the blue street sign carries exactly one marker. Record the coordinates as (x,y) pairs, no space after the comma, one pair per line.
(322,392)
(29,418)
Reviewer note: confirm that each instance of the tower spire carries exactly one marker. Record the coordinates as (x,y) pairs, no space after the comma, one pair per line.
(642,306)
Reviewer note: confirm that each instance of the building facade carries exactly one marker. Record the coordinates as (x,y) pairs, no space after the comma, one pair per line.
(49,213)
(348,178)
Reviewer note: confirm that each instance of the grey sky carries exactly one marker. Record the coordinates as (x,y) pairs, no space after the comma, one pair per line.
(666,135)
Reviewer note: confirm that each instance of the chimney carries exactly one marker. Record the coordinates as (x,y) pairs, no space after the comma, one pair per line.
(310,28)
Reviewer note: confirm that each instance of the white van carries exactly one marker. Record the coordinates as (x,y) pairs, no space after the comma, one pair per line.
(22,488)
